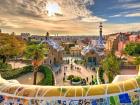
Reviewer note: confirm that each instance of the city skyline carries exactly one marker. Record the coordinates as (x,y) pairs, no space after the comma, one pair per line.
(73,17)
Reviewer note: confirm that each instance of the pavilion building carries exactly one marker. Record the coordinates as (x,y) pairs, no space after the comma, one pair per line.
(54,57)
(93,53)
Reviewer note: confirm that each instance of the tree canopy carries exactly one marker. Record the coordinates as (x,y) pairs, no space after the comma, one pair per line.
(111,66)
(36,53)
(10,45)
(137,60)
(132,49)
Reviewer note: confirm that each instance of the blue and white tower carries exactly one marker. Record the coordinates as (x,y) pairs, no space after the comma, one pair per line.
(100,42)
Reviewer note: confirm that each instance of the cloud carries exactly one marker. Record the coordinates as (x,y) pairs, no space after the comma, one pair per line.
(126,14)
(133,15)
(126,6)
(117,15)
(75,18)
(131,6)
(93,19)
(22,15)
(124,1)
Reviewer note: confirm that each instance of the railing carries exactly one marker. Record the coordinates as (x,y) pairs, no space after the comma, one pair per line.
(125,92)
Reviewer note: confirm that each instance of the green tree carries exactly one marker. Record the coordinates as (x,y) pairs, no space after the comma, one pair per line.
(137,62)
(111,66)
(10,46)
(101,75)
(36,53)
(132,49)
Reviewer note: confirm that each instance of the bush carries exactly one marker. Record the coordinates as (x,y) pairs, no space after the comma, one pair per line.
(79,62)
(94,82)
(76,79)
(70,77)
(101,75)
(48,76)
(132,49)
(11,74)
(5,66)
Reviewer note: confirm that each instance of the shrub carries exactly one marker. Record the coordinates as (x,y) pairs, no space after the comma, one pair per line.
(76,79)
(5,66)
(11,74)
(48,76)
(94,82)
(70,77)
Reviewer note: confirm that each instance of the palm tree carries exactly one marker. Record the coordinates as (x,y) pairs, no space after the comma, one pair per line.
(36,53)
(111,66)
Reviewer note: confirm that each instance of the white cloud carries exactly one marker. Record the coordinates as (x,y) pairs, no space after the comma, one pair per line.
(122,1)
(127,5)
(131,6)
(31,16)
(117,15)
(133,15)
(93,19)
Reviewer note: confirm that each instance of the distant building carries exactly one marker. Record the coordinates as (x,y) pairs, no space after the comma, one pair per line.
(134,38)
(73,38)
(75,51)
(118,41)
(25,36)
(90,55)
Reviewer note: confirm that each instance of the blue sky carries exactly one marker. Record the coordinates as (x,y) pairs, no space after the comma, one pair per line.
(69,17)
(116,11)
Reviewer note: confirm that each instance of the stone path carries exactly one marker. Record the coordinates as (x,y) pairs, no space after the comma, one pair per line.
(17,64)
(28,78)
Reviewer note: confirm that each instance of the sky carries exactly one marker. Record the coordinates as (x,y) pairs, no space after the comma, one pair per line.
(69,17)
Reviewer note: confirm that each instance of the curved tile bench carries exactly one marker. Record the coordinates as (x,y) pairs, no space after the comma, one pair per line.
(15,90)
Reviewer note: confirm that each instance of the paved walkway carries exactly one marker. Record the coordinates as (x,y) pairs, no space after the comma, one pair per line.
(28,78)
(17,64)
(129,72)
(82,72)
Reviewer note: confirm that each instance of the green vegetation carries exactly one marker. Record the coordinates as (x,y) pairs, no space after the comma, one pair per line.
(76,79)
(94,81)
(101,75)
(79,62)
(11,74)
(10,46)
(36,53)
(5,67)
(48,76)
(111,66)
(132,49)
(70,77)
(15,73)
(137,60)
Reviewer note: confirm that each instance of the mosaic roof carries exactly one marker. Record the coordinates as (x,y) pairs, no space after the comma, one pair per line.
(100,43)
(87,49)
(53,43)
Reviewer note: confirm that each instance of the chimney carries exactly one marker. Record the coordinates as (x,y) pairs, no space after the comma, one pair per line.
(47,35)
